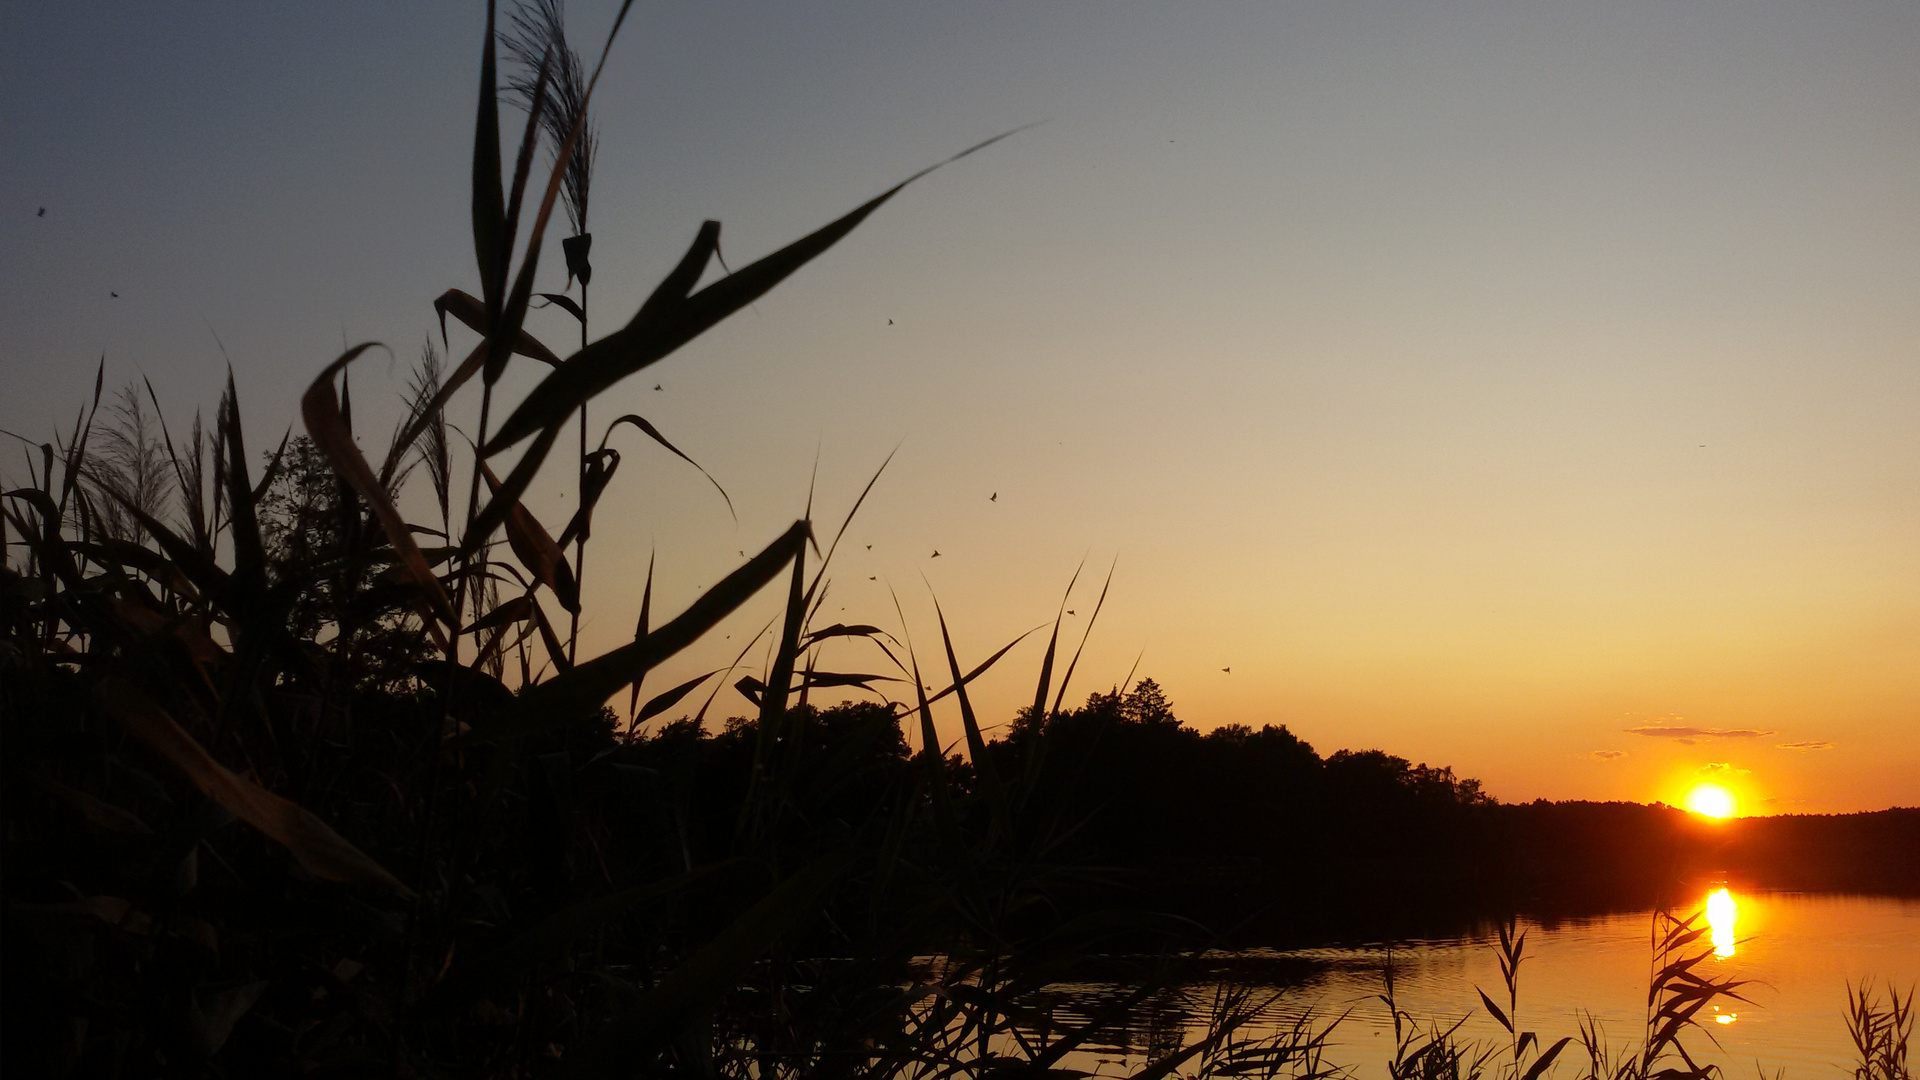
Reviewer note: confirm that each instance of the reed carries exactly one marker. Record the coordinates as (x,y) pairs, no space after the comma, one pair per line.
(1880,1029)
(298,783)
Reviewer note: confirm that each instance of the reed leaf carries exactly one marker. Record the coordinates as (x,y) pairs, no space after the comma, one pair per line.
(653,433)
(672,317)
(536,549)
(490,239)
(590,684)
(320,850)
(320,409)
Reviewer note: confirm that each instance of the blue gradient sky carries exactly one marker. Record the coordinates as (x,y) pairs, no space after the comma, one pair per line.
(1477,381)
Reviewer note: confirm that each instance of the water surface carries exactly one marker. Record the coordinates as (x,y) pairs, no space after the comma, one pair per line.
(1798,952)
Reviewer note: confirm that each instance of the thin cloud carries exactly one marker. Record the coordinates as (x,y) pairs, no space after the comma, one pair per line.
(1723,768)
(1803,746)
(1687,736)
(1608,755)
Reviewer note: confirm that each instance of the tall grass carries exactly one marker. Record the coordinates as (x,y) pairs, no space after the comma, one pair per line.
(297,783)
(1880,1031)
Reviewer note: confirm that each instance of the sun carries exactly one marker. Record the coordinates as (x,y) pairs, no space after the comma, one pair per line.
(1711,800)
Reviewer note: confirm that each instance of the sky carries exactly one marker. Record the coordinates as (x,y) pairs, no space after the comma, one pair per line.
(1522,387)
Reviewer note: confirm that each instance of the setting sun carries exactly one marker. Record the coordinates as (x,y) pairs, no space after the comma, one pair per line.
(1711,800)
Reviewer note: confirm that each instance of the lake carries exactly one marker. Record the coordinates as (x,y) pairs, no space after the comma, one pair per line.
(1797,951)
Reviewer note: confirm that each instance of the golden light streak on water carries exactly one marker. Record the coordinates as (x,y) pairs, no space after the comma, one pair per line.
(1721,914)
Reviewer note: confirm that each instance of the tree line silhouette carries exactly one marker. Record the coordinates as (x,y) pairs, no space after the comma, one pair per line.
(1256,836)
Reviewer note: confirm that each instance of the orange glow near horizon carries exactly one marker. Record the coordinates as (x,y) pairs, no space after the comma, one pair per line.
(1714,801)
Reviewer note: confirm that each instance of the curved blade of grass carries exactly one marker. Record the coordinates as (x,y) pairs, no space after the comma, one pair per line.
(99,811)
(502,502)
(983,666)
(1545,1060)
(320,409)
(662,702)
(653,433)
(843,630)
(773,704)
(1495,1010)
(76,451)
(1075,662)
(198,566)
(590,684)
(565,303)
(555,651)
(639,635)
(701,716)
(272,471)
(473,313)
(249,553)
(820,575)
(536,550)
(323,852)
(490,241)
(1046,665)
(665,323)
(512,611)
(497,352)
(820,680)
(976,743)
(600,466)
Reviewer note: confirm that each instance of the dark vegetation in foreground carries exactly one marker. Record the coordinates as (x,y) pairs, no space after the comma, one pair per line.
(271,807)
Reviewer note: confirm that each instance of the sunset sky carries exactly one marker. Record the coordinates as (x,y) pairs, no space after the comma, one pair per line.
(1532,388)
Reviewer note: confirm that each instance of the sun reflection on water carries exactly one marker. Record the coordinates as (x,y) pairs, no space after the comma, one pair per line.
(1721,914)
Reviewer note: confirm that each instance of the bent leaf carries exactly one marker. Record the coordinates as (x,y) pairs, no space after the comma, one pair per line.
(323,852)
(1546,1060)
(472,312)
(668,321)
(654,433)
(589,685)
(320,408)
(662,702)
(534,547)
(512,611)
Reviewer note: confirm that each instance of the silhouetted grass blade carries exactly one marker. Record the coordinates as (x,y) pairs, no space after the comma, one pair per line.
(976,742)
(249,552)
(982,667)
(591,683)
(473,314)
(514,610)
(481,529)
(670,318)
(1075,662)
(653,433)
(313,842)
(536,549)
(321,411)
(490,241)
(565,303)
(662,702)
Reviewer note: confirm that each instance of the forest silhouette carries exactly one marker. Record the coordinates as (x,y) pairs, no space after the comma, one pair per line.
(1261,840)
